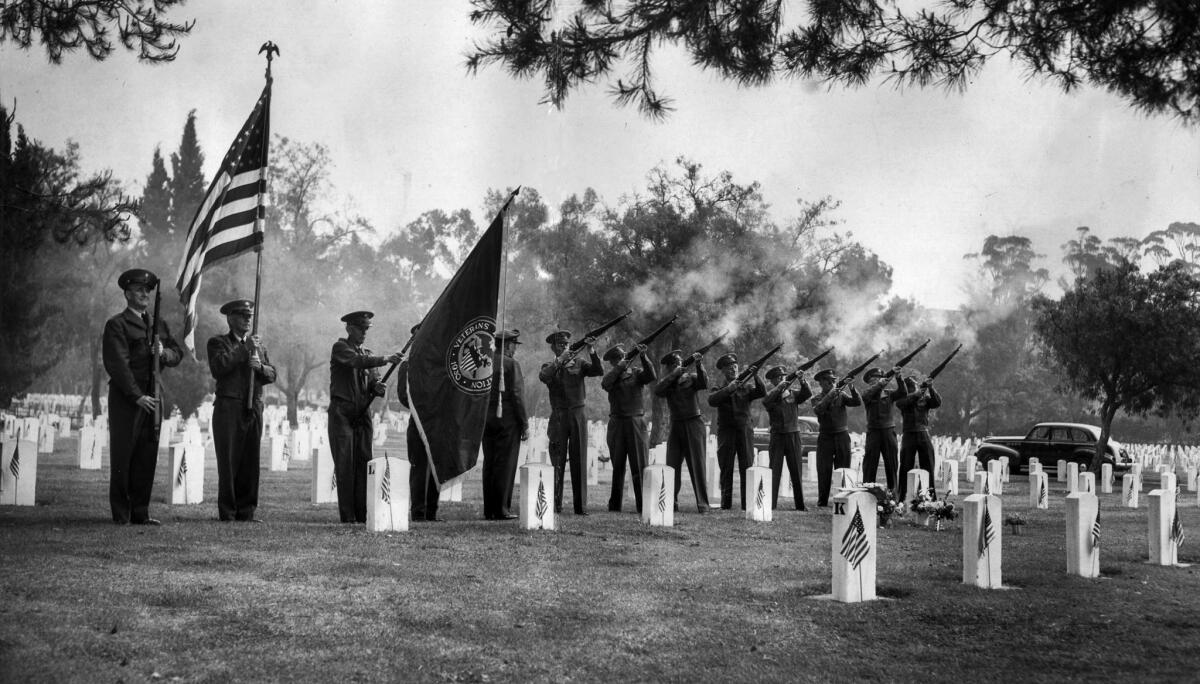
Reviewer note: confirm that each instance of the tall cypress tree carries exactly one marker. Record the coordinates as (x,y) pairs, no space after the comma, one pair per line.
(187,178)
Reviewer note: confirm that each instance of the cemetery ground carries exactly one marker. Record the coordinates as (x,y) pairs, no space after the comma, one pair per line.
(604,598)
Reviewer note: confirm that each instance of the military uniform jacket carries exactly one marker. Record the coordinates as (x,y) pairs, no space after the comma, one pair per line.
(682,392)
(127,357)
(733,404)
(566,382)
(625,395)
(878,402)
(831,419)
(915,407)
(783,407)
(229,363)
(513,394)
(352,374)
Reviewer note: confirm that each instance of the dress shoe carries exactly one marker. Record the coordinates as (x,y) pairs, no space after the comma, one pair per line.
(802,507)
(581,512)
(509,516)
(148,521)
(252,520)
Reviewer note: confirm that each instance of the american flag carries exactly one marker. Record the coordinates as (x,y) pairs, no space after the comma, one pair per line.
(385,487)
(987,532)
(181,476)
(542,504)
(662,496)
(14,466)
(1132,492)
(854,542)
(287,451)
(333,481)
(758,497)
(1096,530)
(1042,492)
(1176,527)
(226,223)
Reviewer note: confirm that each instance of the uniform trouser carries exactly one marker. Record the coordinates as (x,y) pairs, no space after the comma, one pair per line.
(627,442)
(501,447)
(132,460)
(423,488)
(833,451)
(916,447)
(734,440)
(685,443)
(880,442)
(785,446)
(567,433)
(350,444)
(237,435)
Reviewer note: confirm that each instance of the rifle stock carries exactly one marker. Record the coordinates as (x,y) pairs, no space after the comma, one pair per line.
(942,366)
(704,350)
(633,353)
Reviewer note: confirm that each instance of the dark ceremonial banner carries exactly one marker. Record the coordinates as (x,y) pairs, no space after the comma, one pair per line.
(449,371)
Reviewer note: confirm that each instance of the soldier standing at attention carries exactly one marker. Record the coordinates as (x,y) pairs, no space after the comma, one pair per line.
(567,430)
(881,425)
(783,409)
(685,442)
(628,441)
(502,436)
(128,358)
(233,358)
(915,445)
(735,435)
(833,437)
(353,381)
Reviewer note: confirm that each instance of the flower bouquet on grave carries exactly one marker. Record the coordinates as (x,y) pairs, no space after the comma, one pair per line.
(935,510)
(885,503)
(1015,521)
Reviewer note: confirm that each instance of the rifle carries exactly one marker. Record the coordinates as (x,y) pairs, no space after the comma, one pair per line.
(750,370)
(904,361)
(853,373)
(942,366)
(578,344)
(703,350)
(155,369)
(391,369)
(633,353)
(807,365)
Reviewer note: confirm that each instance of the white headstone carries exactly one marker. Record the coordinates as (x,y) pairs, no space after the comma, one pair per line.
(387,494)
(281,453)
(1163,531)
(1129,491)
(324,481)
(18,471)
(537,496)
(995,477)
(187,473)
(1004,476)
(950,477)
(1083,534)
(89,454)
(1039,491)
(982,483)
(1072,477)
(1106,478)
(658,496)
(854,542)
(1086,482)
(982,534)
(918,481)
(1061,471)
(810,466)
(758,493)
(1034,464)
(972,464)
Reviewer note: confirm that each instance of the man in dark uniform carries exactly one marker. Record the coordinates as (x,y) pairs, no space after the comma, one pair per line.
(503,434)
(735,434)
(233,359)
(685,442)
(881,425)
(915,445)
(353,380)
(567,430)
(129,351)
(628,441)
(783,409)
(424,494)
(833,436)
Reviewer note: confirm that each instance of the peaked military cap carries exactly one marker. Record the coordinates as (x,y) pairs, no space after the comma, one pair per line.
(826,374)
(726,359)
(775,371)
(238,306)
(872,373)
(557,335)
(677,354)
(509,336)
(614,353)
(137,276)
(361,319)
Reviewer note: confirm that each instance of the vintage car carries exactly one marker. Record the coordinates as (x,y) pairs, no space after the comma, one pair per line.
(1050,443)
(808,436)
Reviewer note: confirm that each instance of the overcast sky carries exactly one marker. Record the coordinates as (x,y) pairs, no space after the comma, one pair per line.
(923,175)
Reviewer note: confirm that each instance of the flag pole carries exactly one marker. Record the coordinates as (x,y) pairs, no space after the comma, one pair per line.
(271,49)
(503,299)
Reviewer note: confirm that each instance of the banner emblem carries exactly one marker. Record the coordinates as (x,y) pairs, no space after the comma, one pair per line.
(470,357)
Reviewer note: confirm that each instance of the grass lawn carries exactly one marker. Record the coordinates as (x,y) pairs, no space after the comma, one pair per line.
(605,598)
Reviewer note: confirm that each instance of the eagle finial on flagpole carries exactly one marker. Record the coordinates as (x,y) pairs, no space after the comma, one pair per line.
(271,49)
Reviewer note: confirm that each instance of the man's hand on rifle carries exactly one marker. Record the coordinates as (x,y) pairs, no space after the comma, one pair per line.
(589,341)
(255,346)
(524,435)
(157,348)
(378,388)
(395,357)
(147,403)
